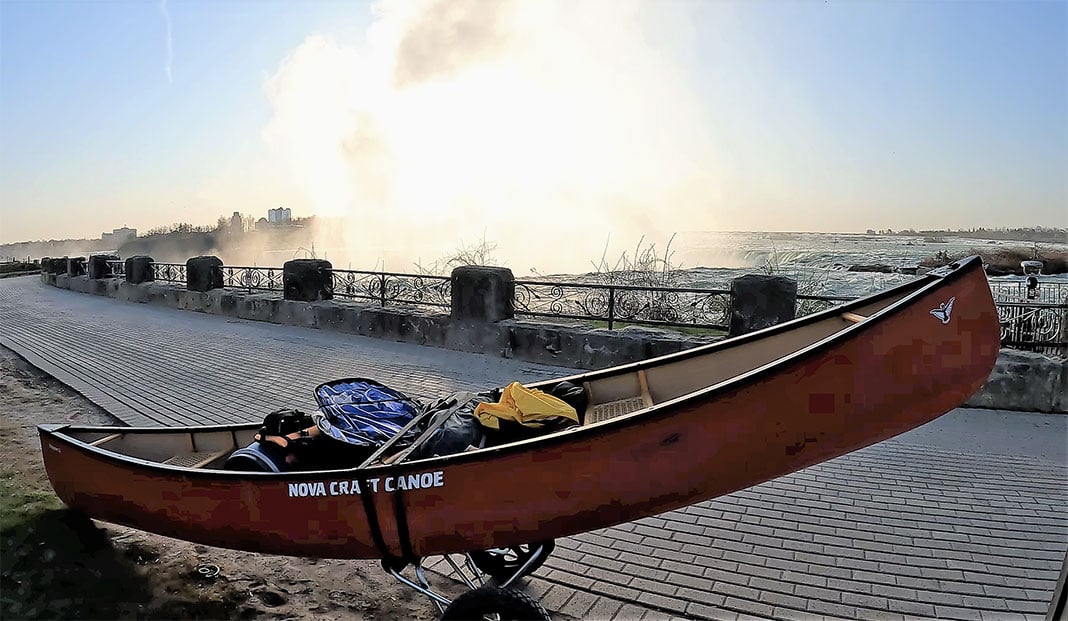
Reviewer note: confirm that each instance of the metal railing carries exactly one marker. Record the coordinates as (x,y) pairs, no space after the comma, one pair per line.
(252,278)
(169,272)
(1034,319)
(650,306)
(394,288)
(808,304)
(116,269)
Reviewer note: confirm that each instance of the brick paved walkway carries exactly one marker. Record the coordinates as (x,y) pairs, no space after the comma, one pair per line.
(963,519)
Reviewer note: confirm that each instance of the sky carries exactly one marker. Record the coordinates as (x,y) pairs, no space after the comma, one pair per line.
(529,121)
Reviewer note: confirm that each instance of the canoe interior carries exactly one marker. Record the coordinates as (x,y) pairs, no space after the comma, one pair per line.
(613,396)
(180,448)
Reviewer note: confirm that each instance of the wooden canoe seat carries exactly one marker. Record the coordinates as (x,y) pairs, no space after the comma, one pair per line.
(612,409)
(196,459)
(605,411)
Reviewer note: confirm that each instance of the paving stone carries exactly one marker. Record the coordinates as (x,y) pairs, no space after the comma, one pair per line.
(969,588)
(800,577)
(828,608)
(786,565)
(748,607)
(863,600)
(942,574)
(617,591)
(571,580)
(990,604)
(701,596)
(909,582)
(662,602)
(830,571)
(911,608)
(629,612)
(893,592)
(640,560)
(783,600)
(603,608)
(657,615)
(556,597)
(964,614)
(790,614)
(715,613)
(579,605)
(726,588)
(865,614)
(814,592)
(536,587)
(653,586)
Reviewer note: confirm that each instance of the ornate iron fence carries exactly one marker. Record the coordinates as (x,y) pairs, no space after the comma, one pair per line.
(394,288)
(1033,318)
(169,272)
(252,278)
(651,306)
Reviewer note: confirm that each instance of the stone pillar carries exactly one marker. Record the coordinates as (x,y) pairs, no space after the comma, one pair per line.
(483,293)
(59,266)
(307,280)
(76,266)
(203,273)
(139,270)
(98,265)
(758,302)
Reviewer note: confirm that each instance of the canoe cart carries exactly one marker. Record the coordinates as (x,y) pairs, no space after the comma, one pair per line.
(490,577)
(652,436)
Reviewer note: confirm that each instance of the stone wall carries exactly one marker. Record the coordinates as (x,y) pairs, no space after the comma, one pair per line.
(1024,380)
(1020,380)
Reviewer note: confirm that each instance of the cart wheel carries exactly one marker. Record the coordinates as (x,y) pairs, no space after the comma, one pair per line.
(490,602)
(502,563)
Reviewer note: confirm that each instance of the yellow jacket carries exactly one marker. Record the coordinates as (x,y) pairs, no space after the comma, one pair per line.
(526,406)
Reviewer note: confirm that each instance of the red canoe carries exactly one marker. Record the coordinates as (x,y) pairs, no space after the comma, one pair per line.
(659,434)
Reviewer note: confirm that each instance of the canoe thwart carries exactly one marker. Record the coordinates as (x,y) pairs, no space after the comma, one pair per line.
(647,400)
(107,438)
(853,317)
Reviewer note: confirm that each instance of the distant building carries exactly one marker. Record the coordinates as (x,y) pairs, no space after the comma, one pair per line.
(118,237)
(282,215)
(237,225)
(262,224)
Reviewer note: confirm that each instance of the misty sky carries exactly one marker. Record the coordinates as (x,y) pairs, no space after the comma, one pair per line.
(477,117)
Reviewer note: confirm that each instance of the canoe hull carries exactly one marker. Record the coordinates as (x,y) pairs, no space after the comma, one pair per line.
(857,389)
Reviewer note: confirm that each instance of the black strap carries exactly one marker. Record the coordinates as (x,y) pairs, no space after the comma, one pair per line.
(372,517)
(402,527)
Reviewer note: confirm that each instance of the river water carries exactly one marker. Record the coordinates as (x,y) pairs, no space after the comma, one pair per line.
(820,260)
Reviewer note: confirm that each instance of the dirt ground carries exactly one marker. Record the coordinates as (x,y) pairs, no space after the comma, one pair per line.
(56,564)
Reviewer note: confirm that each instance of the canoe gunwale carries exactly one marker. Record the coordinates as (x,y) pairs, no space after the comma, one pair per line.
(914,289)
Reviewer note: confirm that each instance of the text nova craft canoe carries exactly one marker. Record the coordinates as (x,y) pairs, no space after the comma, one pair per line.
(658,435)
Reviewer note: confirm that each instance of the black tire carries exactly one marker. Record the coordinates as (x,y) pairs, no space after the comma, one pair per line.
(503,564)
(495,602)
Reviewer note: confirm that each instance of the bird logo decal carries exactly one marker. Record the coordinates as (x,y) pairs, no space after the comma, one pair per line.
(943,310)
